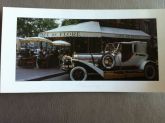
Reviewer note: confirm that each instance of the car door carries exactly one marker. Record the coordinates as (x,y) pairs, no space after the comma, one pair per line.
(133,54)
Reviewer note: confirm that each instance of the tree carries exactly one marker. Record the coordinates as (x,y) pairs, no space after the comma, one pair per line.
(70,22)
(28,27)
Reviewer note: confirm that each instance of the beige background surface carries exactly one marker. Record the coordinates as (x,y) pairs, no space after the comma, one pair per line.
(83,107)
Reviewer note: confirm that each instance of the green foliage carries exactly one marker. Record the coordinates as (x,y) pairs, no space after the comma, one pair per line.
(28,27)
(70,22)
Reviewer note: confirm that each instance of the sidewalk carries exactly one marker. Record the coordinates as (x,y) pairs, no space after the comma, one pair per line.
(29,74)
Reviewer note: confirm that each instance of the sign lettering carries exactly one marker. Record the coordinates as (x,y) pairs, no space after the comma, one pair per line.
(60,34)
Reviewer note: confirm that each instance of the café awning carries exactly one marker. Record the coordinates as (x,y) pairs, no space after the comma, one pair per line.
(123,33)
(86,29)
(93,29)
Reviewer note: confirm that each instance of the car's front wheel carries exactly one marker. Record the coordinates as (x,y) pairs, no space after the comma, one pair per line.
(150,71)
(78,74)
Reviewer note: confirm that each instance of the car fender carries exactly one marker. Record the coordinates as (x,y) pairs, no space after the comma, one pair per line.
(142,66)
(90,65)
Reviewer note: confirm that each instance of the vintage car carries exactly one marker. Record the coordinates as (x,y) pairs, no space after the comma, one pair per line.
(119,59)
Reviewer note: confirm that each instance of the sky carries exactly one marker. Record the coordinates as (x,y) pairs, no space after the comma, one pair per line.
(59,22)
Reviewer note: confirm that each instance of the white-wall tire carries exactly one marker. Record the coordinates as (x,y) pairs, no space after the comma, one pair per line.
(78,74)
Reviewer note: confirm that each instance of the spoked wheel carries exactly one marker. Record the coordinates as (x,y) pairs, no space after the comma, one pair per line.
(108,61)
(150,71)
(78,74)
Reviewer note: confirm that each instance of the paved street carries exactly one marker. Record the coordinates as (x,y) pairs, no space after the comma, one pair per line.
(93,77)
(58,78)
(53,74)
(23,74)
(66,77)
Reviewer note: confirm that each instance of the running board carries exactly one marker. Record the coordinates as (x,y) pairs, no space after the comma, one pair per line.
(122,74)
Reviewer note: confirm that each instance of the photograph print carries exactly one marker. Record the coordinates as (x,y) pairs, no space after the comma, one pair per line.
(86,49)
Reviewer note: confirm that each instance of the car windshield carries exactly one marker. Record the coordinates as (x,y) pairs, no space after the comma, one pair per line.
(111,47)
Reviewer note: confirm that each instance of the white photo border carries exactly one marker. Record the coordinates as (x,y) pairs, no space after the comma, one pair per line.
(8,52)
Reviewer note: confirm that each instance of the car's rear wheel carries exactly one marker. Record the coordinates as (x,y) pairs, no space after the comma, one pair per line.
(108,61)
(150,71)
(78,74)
